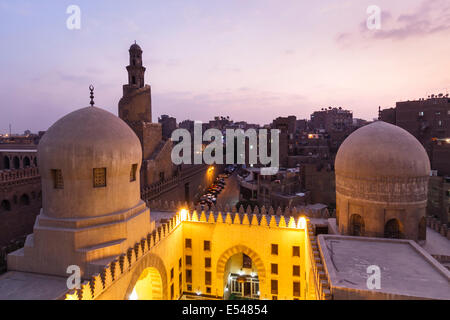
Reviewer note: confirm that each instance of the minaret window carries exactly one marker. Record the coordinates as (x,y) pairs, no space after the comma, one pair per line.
(133,80)
(99,177)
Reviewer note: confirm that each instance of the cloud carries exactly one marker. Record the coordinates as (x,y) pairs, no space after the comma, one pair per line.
(430,17)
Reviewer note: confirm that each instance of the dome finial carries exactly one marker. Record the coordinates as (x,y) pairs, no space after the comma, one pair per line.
(91,87)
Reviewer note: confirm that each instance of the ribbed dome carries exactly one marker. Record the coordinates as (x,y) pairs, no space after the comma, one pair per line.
(379,150)
(84,140)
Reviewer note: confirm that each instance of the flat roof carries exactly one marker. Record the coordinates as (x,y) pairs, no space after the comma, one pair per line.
(406,268)
(30,286)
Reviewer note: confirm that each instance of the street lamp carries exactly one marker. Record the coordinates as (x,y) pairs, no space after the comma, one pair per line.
(301,223)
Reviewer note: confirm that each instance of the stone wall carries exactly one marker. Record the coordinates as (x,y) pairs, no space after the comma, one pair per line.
(173,189)
(20,201)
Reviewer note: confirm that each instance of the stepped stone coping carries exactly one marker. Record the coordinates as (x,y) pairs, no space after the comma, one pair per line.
(315,211)
(80,223)
(101,245)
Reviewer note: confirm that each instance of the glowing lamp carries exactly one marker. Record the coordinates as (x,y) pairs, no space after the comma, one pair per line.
(301,223)
(183,214)
(133,295)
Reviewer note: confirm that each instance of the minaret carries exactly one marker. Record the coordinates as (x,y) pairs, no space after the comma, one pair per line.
(136,104)
(136,70)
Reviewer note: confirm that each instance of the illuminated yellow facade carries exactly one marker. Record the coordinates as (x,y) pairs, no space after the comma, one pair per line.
(213,256)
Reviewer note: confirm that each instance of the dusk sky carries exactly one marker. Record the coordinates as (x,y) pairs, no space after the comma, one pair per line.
(252,60)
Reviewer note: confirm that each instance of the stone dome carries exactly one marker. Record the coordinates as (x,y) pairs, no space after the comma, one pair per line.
(89,162)
(382,150)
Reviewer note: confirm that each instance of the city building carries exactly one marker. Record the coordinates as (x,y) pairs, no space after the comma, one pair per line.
(20,196)
(169,124)
(280,190)
(439,198)
(429,121)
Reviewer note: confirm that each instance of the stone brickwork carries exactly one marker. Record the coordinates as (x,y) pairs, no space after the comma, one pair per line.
(20,201)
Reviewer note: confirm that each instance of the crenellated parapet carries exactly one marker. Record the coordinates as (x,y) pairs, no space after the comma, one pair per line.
(12,177)
(439,227)
(121,265)
(295,211)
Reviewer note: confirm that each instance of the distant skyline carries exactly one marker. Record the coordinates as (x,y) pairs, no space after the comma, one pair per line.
(252,60)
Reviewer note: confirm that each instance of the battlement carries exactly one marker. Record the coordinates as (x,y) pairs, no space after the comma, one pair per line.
(158,205)
(116,269)
(9,177)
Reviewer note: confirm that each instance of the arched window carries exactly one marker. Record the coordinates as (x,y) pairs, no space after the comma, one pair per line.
(6,162)
(5,205)
(16,163)
(133,80)
(357,227)
(25,200)
(392,229)
(26,162)
(423,229)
